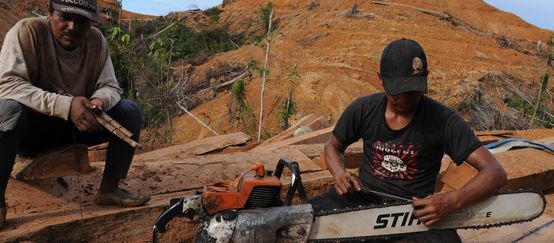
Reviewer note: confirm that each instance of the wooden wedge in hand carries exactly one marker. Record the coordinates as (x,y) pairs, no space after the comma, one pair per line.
(115,128)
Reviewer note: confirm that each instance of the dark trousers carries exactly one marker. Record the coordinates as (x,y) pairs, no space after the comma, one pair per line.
(27,132)
(331,200)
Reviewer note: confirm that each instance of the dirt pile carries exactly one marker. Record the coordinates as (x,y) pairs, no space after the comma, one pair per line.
(336,52)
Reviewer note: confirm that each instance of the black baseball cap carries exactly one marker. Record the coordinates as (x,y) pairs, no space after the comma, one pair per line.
(85,8)
(404,67)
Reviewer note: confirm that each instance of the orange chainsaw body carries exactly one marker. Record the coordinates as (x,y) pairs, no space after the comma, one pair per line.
(224,196)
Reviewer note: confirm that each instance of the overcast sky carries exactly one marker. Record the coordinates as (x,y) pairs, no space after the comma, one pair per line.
(536,12)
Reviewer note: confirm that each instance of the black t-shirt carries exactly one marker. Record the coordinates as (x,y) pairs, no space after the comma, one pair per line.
(404,162)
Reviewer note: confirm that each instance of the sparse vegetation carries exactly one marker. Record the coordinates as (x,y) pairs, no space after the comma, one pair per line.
(288,106)
(213,13)
(145,58)
(239,109)
(540,112)
(264,13)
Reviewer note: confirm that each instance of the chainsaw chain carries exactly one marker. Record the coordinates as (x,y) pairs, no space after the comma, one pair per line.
(389,203)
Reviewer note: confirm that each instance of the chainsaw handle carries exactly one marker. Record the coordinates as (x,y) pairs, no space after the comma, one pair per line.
(174,210)
(296,183)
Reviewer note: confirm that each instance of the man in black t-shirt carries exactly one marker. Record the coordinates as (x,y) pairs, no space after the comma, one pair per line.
(405,134)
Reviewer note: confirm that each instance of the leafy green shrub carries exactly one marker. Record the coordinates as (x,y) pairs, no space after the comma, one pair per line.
(213,13)
(288,107)
(239,110)
(144,58)
(264,12)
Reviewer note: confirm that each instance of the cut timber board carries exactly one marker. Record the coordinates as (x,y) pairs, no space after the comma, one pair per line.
(197,147)
(526,168)
(59,161)
(288,133)
(319,136)
(353,154)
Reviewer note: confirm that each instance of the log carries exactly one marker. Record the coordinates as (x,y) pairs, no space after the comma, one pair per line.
(231,82)
(59,161)
(423,10)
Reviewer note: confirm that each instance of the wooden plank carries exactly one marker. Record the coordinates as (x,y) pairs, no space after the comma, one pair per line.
(268,157)
(288,133)
(456,177)
(197,147)
(115,128)
(526,168)
(319,123)
(353,154)
(319,136)
(310,150)
(59,161)
(97,152)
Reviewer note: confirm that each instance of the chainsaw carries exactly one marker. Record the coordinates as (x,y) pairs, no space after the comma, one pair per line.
(250,209)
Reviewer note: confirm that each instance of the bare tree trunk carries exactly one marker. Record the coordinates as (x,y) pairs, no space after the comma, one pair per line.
(544,83)
(264,77)
(197,119)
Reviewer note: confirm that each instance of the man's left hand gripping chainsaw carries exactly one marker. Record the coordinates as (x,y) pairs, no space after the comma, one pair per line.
(250,210)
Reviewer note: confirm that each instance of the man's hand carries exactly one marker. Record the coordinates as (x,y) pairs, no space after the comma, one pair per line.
(433,208)
(81,115)
(346,182)
(98,104)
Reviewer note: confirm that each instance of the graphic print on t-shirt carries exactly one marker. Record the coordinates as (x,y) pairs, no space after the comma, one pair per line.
(393,160)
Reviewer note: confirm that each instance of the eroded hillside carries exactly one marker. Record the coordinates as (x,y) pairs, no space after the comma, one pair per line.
(480,58)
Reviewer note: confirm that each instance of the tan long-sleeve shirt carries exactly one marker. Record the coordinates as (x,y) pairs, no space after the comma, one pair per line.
(38,73)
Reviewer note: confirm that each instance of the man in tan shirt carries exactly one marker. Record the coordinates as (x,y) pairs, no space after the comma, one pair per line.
(55,71)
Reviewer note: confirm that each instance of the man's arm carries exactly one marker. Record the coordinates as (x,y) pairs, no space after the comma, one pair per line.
(107,92)
(490,178)
(15,82)
(334,156)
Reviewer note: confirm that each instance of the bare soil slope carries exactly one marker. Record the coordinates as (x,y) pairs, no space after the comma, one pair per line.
(479,56)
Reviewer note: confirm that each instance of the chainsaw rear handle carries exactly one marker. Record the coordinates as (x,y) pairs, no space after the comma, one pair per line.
(176,209)
(296,182)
